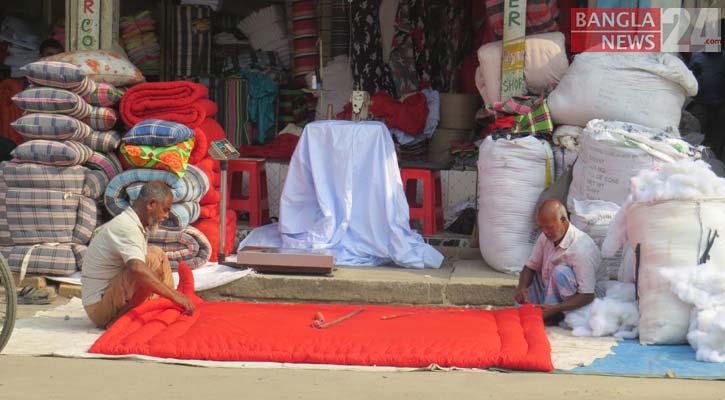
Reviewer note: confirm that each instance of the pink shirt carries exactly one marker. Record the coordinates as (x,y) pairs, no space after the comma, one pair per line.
(576,250)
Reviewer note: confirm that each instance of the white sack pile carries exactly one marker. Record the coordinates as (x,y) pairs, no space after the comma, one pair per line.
(614,315)
(512,174)
(643,88)
(672,213)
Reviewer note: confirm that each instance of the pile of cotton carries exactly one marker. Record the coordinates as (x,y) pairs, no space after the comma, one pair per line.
(703,287)
(614,315)
(681,180)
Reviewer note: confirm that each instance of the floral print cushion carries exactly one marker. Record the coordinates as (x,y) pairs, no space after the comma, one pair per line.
(174,158)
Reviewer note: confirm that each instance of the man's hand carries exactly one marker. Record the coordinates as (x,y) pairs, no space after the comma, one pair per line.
(522,296)
(184,302)
(549,310)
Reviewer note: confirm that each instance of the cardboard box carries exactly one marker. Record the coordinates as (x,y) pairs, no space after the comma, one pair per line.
(282,260)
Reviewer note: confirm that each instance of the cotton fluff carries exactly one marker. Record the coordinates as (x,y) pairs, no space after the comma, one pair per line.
(567,136)
(614,315)
(703,286)
(681,180)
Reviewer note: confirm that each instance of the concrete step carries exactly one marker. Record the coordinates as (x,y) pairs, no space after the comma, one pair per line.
(463,279)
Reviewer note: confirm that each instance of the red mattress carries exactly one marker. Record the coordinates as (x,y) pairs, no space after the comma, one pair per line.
(235,331)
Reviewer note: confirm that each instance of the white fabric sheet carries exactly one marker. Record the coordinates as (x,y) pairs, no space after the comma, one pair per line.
(344,193)
(207,277)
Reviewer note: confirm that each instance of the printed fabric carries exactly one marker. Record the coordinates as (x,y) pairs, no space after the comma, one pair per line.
(174,158)
(369,71)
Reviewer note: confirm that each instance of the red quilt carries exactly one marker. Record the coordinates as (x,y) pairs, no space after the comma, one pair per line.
(234,331)
(179,101)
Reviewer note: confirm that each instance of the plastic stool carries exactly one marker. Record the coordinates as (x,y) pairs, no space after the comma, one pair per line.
(257,202)
(431,211)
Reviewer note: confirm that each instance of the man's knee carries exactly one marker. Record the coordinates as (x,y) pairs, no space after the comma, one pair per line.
(154,252)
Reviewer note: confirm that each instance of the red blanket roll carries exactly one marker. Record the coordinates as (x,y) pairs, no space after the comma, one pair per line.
(210,228)
(177,101)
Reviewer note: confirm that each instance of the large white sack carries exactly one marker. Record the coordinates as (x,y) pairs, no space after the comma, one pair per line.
(593,218)
(545,63)
(671,234)
(511,176)
(644,88)
(608,159)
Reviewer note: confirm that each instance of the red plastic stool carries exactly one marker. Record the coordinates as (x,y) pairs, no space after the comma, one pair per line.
(256,202)
(431,211)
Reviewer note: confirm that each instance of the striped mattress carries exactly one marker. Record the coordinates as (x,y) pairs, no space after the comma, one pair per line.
(32,216)
(46,259)
(189,245)
(186,191)
(76,179)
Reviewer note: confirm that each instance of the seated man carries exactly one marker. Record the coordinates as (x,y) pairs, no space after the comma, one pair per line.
(120,270)
(563,272)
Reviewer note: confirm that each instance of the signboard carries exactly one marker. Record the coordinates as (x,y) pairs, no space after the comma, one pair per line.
(514,46)
(89,19)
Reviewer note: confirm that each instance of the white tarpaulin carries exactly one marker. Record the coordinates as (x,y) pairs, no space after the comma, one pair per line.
(344,193)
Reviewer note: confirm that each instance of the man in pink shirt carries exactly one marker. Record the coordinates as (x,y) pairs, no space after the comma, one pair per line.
(563,272)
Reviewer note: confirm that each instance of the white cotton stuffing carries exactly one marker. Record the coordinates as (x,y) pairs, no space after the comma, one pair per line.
(614,315)
(702,286)
(681,180)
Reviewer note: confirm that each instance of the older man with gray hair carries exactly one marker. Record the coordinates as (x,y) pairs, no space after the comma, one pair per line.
(120,270)
(564,271)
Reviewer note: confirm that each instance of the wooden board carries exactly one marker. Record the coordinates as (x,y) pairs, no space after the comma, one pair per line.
(512,57)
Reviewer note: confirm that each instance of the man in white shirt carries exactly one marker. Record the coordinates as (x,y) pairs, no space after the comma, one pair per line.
(120,270)
(563,272)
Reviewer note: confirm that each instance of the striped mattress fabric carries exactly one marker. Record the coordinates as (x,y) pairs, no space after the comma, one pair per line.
(304,45)
(60,75)
(76,179)
(108,163)
(51,127)
(101,118)
(103,141)
(32,216)
(186,192)
(64,153)
(189,245)
(105,95)
(54,101)
(48,259)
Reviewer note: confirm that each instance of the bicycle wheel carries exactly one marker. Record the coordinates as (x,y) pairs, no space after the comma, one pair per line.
(8,303)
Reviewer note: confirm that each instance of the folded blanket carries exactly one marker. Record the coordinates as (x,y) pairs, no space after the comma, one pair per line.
(186,191)
(210,228)
(209,210)
(201,146)
(76,179)
(212,170)
(171,101)
(32,216)
(213,130)
(46,259)
(189,245)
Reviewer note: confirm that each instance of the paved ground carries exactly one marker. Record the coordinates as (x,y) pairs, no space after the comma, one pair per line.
(42,378)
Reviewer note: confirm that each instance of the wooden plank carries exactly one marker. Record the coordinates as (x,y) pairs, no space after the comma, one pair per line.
(512,57)
(68,290)
(106,24)
(89,20)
